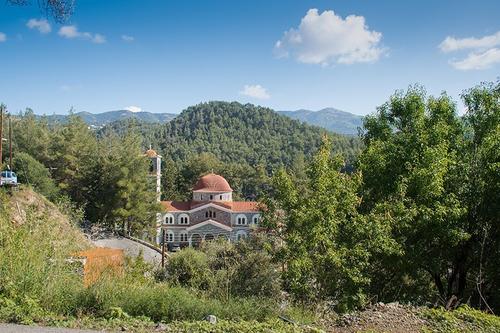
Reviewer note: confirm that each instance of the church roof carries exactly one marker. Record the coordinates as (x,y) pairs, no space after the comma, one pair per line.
(151,153)
(235,206)
(212,183)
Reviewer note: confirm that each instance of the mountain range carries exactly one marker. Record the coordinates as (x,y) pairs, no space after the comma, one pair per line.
(104,118)
(329,118)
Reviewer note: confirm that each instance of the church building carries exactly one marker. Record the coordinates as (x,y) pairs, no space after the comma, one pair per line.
(210,214)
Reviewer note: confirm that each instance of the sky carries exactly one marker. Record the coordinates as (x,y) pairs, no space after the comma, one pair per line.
(163,56)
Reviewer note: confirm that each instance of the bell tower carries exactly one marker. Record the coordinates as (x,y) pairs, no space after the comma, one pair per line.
(155,170)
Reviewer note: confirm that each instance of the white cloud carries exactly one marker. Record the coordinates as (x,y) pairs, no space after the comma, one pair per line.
(71,31)
(327,38)
(98,39)
(42,25)
(128,38)
(453,44)
(3,37)
(255,91)
(478,60)
(65,88)
(483,55)
(133,108)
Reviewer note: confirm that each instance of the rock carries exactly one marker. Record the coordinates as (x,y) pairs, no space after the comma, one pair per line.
(211,319)
(161,327)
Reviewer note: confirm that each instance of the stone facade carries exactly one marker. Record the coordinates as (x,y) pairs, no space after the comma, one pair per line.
(210,215)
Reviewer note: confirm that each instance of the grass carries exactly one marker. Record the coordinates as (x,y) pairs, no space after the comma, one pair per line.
(38,285)
(463,319)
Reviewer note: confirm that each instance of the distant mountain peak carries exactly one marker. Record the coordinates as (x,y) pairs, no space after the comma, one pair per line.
(104,118)
(332,119)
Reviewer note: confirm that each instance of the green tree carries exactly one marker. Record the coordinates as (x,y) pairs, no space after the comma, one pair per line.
(73,157)
(413,175)
(32,135)
(482,193)
(30,171)
(327,245)
(132,201)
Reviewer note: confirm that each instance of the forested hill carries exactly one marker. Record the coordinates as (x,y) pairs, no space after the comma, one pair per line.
(244,143)
(234,132)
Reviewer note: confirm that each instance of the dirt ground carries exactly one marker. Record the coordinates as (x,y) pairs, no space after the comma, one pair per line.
(387,318)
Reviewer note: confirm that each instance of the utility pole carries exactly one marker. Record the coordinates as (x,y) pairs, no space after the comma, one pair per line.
(163,248)
(10,144)
(1,132)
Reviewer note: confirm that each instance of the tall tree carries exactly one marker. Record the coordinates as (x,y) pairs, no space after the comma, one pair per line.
(416,172)
(482,192)
(131,198)
(327,244)
(73,157)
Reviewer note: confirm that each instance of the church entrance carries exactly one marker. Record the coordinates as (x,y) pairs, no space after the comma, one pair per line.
(195,240)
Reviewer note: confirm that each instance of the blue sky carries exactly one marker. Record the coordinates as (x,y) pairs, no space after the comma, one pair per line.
(162,56)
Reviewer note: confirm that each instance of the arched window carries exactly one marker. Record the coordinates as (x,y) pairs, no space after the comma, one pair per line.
(255,219)
(195,240)
(183,237)
(241,220)
(241,235)
(210,214)
(169,219)
(170,236)
(183,219)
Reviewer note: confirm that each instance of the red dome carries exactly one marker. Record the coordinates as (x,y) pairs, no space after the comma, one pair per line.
(151,153)
(212,183)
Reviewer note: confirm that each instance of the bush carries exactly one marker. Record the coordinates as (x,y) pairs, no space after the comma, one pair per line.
(189,268)
(30,171)
(243,269)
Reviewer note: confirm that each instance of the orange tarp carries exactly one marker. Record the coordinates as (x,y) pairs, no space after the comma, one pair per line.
(100,260)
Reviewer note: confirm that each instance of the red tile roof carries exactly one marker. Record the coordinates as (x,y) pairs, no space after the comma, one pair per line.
(175,206)
(245,206)
(212,183)
(235,206)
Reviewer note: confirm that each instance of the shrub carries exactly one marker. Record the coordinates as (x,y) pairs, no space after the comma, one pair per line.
(189,268)
(242,269)
(30,171)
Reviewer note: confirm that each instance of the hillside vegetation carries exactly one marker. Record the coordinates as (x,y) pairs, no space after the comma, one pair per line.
(413,218)
(245,143)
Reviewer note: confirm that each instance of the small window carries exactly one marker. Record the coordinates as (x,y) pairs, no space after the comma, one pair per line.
(220,198)
(169,219)
(184,220)
(206,213)
(211,197)
(241,220)
(183,237)
(170,236)
(214,215)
